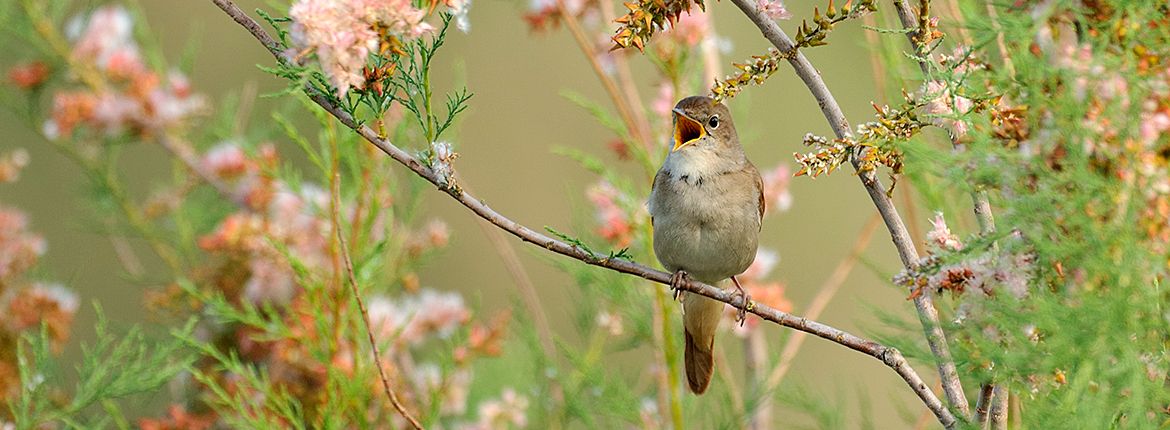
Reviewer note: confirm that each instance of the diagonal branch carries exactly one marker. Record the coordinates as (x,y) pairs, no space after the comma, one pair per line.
(923,303)
(889,356)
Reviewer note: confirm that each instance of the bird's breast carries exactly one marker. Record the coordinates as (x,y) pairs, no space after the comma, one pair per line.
(707,226)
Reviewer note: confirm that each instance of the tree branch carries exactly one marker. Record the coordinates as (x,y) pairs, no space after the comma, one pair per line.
(891,357)
(923,303)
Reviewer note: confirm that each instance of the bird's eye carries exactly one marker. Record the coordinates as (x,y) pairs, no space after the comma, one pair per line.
(713,122)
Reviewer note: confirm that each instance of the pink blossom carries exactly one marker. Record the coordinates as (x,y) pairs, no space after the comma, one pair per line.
(777,197)
(340,37)
(452,389)
(940,235)
(399,16)
(1153,125)
(28,75)
(461,9)
(342,33)
(52,305)
(691,28)
(774,9)
(943,107)
(270,281)
(508,412)
(615,225)
(414,317)
(107,40)
(136,98)
(437,233)
(19,248)
(226,160)
(664,103)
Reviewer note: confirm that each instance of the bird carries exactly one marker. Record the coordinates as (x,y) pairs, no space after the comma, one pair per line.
(706,208)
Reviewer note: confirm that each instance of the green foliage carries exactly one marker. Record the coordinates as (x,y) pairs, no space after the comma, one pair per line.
(143,365)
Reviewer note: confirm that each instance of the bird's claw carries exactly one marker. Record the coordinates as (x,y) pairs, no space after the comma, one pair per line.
(676,282)
(741,311)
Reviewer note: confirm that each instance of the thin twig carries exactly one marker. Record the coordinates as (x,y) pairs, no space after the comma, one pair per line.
(889,356)
(821,302)
(923,303)
(352,280)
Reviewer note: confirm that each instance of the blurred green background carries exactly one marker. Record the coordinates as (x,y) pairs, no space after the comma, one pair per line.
(517,116)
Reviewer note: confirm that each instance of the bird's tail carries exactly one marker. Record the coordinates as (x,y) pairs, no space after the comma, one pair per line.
(700,319)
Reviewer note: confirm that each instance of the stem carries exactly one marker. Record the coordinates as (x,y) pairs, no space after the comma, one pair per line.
(889,356)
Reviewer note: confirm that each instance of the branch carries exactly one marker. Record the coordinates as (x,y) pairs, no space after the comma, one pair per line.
(889,356)
(923,303)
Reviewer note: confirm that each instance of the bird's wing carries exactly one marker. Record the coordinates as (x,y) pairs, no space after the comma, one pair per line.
(763,203)
(759,183)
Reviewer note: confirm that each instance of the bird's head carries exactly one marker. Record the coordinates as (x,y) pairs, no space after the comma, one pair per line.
(701,122)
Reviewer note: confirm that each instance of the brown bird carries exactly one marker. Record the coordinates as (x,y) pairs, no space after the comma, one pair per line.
(706,207)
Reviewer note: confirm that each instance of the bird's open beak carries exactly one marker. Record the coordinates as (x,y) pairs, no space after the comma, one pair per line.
(686,130)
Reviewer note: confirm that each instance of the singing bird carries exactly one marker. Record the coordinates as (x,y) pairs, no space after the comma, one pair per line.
(706,207)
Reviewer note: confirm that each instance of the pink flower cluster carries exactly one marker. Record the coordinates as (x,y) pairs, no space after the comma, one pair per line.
(343,33)
(413,318)
(276,214)
(987,273)
(691,28)
(19,249)
(940,237)
(123,94)
(509,411)
(546,14)
(774,9)
(615,224)
(26,306)
(945,108)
